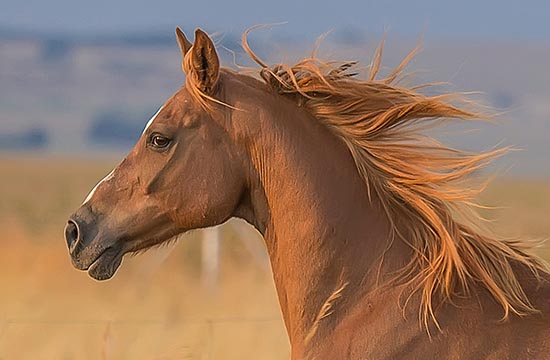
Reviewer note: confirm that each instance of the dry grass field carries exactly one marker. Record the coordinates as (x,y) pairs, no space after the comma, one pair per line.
(155,307)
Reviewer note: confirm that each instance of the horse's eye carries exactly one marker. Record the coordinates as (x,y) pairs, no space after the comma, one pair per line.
(159,142)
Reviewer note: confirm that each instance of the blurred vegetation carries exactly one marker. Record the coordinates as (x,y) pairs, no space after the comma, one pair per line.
(115,128)
(55,50)
(30,139)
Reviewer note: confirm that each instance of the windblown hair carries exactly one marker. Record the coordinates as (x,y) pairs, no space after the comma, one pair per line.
(423,186)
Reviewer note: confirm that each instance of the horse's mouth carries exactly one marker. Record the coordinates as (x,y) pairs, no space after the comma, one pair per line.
(106,264)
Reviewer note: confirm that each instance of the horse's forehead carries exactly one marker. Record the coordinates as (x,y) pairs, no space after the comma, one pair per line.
(173,108)
(177,102)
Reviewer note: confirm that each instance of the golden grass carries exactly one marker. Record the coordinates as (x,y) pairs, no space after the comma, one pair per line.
(155,307)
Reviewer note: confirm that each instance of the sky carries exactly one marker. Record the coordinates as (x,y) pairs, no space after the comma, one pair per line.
(459,19)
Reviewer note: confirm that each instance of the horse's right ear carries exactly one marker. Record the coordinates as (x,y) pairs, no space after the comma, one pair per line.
(183,43)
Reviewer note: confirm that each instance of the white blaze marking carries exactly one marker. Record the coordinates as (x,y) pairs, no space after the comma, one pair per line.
(110,175)
(151,120)
(106,178)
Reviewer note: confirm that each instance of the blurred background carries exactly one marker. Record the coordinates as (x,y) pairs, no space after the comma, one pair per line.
(78,82)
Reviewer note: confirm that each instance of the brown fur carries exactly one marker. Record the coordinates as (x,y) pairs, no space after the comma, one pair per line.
(423,185)
(360,213)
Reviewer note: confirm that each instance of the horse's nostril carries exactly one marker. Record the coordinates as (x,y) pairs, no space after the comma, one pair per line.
(71,233)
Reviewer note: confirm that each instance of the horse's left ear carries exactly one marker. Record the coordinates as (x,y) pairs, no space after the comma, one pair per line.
(204,64)
(183,43)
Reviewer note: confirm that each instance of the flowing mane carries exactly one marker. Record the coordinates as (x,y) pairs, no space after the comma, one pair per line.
(423,186)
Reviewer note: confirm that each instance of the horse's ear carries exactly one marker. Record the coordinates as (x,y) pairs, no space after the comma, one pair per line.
(205,64)
(183,43)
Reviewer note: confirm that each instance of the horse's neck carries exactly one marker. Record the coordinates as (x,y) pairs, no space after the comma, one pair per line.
(323,235)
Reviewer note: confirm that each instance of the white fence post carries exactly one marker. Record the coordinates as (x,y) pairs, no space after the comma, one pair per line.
(210,258)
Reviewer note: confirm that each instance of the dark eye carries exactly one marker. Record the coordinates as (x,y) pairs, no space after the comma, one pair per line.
(159,142)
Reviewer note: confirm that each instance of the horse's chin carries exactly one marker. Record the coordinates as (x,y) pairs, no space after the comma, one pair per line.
(106,264)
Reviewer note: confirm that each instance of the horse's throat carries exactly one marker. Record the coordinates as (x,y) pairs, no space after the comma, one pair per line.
(324,240)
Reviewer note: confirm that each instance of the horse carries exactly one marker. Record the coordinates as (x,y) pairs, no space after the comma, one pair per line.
(376,248)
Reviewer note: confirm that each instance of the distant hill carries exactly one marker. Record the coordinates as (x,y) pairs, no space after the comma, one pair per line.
(88,94)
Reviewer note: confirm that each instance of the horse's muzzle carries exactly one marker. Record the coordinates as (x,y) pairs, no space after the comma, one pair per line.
(89,248)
